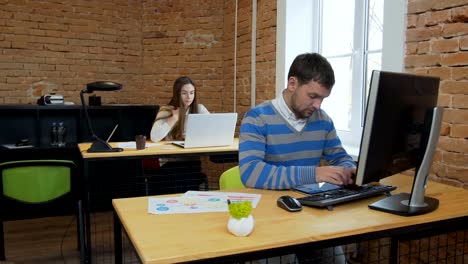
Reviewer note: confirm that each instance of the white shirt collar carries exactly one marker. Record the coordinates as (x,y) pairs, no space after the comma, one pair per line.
(280,104)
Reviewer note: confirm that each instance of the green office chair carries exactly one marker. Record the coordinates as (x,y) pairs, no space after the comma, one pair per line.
(231,179)
(31,188)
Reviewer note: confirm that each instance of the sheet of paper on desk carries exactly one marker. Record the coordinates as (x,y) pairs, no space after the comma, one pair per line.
(198,202)
(232,196)
(132,145)
(184,205)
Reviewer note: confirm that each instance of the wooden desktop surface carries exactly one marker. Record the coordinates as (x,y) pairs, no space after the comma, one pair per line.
(182,237)
(163,148)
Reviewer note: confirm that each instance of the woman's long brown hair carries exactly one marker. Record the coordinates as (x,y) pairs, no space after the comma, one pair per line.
(177,131)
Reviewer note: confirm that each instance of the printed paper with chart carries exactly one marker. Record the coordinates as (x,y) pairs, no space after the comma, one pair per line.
(198,202)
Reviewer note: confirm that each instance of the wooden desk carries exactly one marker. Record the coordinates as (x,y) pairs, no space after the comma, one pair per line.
(164,149)
(179,238)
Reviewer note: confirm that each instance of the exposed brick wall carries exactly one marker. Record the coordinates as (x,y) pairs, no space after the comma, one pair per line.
(50,46)
(266,51)
(265,54)
(183,38)
(228,58)
(59,46)
(437,44)
(265,60)
(244,50)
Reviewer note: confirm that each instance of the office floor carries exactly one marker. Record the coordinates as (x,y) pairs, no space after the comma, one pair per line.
(54,240)
(42,240)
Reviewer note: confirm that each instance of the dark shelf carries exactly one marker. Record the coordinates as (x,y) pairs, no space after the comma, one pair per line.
(33,122)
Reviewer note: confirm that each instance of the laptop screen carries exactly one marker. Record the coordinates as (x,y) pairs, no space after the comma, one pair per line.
(210,130)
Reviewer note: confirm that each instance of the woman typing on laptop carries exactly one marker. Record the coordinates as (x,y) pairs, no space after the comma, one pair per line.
(177,174)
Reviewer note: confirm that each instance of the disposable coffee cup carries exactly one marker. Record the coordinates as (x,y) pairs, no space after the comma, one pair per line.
(140,141)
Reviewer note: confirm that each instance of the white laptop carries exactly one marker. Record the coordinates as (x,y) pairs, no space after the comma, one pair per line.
(209,130)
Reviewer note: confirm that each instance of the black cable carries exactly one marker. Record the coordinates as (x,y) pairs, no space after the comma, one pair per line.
(64,236)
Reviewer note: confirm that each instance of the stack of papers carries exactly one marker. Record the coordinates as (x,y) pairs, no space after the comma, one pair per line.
(199,202)
(132,145)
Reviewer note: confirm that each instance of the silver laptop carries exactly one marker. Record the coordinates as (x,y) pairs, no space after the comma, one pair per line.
(209,130)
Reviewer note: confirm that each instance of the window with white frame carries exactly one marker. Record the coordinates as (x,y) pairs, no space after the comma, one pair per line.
(356,37)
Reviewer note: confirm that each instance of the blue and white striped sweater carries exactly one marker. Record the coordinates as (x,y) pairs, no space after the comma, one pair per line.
(273,155)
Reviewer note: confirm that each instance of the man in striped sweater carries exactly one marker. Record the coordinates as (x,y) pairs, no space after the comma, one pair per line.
(283,141)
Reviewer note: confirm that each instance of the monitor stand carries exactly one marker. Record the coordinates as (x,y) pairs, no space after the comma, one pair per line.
(415,203)
(398,204)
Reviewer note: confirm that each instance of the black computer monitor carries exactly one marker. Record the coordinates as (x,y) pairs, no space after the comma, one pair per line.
(401,130)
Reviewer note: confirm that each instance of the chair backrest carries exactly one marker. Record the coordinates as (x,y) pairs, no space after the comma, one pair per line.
(231,179)
(36,181)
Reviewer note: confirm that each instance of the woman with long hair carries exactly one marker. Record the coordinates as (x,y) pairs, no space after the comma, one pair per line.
(177,174)
(170,120)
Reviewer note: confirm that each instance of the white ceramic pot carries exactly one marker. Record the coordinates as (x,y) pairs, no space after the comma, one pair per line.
(241,227)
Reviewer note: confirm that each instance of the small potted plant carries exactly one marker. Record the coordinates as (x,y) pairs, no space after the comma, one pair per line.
(241,221)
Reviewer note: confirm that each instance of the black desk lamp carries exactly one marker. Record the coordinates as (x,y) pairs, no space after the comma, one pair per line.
(98,144)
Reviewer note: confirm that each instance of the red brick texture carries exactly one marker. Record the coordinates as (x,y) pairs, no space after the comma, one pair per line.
(59,46)
(436,44)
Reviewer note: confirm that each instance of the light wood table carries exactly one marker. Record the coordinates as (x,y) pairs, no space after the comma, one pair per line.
(162,149)
(204,236)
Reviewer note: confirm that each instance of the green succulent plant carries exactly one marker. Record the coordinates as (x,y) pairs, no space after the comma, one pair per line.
(240,209)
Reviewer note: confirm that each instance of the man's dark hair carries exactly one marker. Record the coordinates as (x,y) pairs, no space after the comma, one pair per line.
(312,66)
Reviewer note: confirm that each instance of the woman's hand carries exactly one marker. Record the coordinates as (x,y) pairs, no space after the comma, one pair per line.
(173,118)
(335,174)
(164,112)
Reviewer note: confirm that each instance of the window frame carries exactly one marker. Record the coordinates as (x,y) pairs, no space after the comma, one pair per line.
(298,23)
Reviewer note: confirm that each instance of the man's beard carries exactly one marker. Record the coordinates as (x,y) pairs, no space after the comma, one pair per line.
(306,113)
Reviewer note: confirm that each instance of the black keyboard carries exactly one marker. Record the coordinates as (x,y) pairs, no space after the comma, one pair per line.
(337,196)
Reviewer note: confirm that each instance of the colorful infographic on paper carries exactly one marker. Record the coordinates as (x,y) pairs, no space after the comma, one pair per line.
(199,202)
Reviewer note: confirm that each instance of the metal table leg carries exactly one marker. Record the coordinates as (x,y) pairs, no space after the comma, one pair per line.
(117,239)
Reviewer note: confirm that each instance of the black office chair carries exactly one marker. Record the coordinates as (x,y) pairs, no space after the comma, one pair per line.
(36,188)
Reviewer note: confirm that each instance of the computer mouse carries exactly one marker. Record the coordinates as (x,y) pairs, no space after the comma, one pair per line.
(289,203)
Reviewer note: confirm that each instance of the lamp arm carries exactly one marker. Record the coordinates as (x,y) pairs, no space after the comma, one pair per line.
(85,110)
(98,144)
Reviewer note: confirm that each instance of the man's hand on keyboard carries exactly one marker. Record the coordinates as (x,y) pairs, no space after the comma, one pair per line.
(335,174)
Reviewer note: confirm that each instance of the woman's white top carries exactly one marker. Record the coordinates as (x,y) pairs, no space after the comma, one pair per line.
(161,128)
